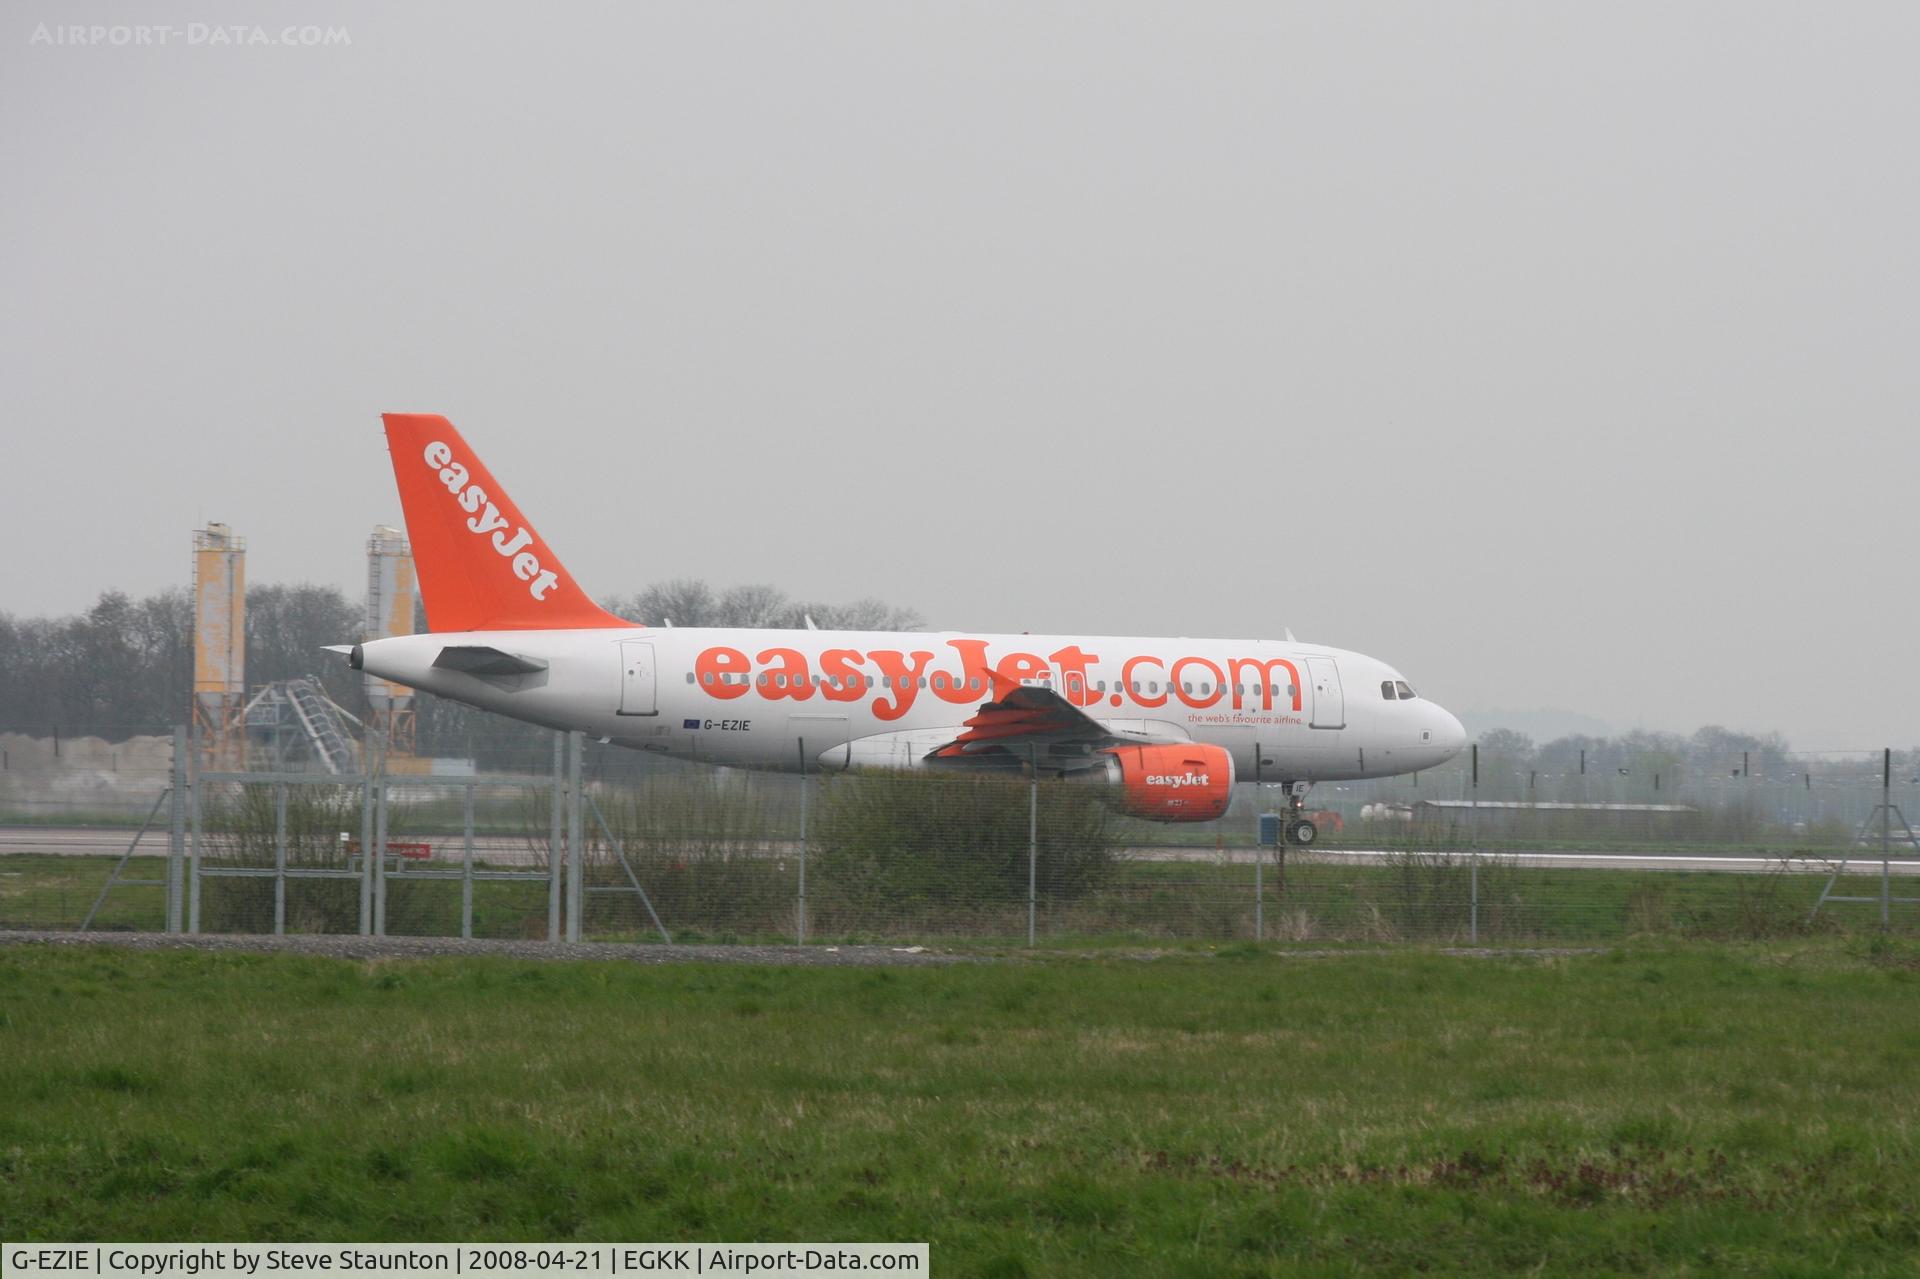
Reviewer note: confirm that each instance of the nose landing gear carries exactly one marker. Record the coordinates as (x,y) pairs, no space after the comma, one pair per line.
(1299,828)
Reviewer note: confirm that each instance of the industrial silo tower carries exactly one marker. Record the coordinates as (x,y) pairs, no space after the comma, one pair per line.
(219,643)
(390,599)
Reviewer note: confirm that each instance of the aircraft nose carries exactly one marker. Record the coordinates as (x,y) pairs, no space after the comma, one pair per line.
(1450,735)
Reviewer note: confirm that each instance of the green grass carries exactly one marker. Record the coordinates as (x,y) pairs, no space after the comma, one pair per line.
(1323,901)
(47,891)
(1679,1108)
(54,892)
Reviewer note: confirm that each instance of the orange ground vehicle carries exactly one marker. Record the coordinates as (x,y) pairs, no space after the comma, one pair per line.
(1329,821)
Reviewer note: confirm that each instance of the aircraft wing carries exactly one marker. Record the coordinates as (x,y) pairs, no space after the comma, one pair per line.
(1027,723)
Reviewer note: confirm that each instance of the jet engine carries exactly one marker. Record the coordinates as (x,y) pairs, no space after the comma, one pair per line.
(1177,782)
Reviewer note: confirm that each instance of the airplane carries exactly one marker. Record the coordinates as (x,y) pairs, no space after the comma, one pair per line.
(1165,726)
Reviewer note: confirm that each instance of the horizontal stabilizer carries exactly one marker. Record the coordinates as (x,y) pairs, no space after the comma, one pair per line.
(479,659)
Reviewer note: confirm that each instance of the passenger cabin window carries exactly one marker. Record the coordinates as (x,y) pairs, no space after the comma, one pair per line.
(1406,690)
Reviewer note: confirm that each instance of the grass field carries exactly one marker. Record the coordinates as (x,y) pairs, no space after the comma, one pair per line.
(1424,899)
(1689,1108)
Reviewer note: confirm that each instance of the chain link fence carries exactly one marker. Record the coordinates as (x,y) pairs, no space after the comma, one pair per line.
(558,838)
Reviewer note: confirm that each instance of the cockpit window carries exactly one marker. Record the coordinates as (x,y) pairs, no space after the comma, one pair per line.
(1386,689)
(1406,690)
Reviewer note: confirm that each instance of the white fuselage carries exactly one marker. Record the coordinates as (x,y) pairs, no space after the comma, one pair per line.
(771,699)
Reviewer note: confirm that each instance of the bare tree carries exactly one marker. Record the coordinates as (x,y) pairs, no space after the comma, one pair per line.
(691,602)
(861,615)
(684,601)
(1714,750)
(286,629)
(1507,759)
(758,606)
(126,666)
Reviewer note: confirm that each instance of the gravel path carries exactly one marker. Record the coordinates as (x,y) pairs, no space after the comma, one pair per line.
(434,947)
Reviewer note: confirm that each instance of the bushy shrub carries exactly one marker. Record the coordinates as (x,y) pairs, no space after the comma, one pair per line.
(1759,907)
(1439,895)
(929,839)
(238,830)
(715,857)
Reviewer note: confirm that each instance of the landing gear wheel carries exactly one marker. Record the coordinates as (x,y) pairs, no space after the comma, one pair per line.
(1302,832)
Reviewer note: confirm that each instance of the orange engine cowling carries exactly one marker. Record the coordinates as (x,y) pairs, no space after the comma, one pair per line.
(1180,782)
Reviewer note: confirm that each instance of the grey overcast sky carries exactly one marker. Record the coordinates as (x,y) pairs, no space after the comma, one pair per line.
(1562,354)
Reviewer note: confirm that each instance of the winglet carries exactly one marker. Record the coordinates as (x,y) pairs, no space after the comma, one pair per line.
(481,566)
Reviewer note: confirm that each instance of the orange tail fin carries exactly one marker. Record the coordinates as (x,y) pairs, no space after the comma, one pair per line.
(480,564)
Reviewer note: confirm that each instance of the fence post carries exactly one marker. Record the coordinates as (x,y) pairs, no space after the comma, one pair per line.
(194,836)
(800,910)
(1886,837)
(177,829)
(1473,804)
(377,850)
(279,859)
(1033,839)
(554,803)
(1473,856)
(466,871)
(1259,850)
(367,836)
(576,858)
(1473,897)
(366,839)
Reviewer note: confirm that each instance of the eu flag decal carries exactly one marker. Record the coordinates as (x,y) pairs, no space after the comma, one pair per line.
(689,723)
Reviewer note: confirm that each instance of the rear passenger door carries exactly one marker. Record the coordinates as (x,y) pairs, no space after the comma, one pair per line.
(637,679)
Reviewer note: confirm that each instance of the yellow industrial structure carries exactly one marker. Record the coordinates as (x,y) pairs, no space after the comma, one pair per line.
(390,600)
(291,720)
(219,644)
